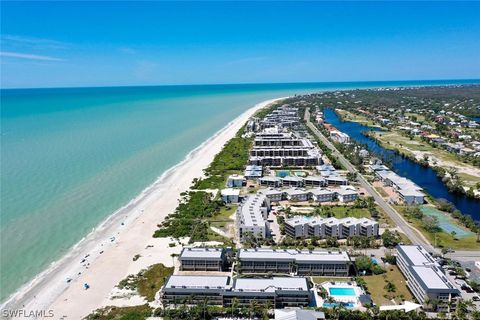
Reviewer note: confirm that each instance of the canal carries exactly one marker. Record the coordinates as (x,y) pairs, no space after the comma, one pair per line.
(423,176)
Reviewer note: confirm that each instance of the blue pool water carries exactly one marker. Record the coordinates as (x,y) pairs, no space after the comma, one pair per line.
(333,305)
(336,291)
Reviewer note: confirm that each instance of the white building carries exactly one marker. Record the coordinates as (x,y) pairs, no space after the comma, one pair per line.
(322,195)
(268,181)
(314,181)
(251,217)
(346,194)
(407,190)
(295,194)
(339,136)
(425,278)
(235,181)
(274,195)
(230,195)
(307,227)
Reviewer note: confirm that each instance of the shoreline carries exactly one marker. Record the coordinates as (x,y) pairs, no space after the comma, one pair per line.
(111,245)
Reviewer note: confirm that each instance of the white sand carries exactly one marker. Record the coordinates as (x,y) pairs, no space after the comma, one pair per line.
(132,227)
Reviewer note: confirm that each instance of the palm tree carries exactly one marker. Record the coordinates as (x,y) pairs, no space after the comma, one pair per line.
(234,305)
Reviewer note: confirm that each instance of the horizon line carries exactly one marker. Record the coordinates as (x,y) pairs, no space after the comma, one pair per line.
(237,83)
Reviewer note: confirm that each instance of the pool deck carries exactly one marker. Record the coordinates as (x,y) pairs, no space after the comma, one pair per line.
(327,285)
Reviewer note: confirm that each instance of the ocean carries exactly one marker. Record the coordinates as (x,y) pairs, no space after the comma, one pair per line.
(70,157)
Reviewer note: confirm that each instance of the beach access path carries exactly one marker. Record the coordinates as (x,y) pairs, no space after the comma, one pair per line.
(105,256)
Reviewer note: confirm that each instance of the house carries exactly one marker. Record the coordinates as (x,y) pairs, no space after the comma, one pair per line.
(235,181)
(230,195)
(295,194)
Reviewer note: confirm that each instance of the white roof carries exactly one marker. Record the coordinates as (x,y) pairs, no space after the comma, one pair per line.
(271,285)
(270,191)
(236,177)
(250,210)
(295,191)
(197,282)
(314,178)
(230,192)
(432,278)
(345,192)
(319,191)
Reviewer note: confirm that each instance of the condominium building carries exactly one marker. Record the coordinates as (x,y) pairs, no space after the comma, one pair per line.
(278,292)
(314,181)
(295,194)
(203,259)
(322,195)
(272,194)
(268,181)
(346,194)
(251,217)
(235,181)
(426,279)
(293,261)
(307,227)
(283,149)
(408,191)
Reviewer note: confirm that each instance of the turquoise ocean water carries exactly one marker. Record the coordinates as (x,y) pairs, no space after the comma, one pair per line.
(71,157)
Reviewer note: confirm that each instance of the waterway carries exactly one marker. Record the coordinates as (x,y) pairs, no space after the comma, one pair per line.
(425,177)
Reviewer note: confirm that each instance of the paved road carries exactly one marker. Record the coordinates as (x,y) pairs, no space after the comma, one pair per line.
(392,213)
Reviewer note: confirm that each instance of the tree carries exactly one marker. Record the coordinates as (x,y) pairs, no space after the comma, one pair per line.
(390,239)
(430,223)
(363,263)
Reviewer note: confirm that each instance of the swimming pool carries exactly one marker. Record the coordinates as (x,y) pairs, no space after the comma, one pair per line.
(339,291)
(282,173)
(333,305)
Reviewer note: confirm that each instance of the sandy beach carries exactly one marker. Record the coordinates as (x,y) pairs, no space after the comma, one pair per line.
(105,256)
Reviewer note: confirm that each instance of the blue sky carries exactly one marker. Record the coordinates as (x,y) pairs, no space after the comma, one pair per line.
(58,44)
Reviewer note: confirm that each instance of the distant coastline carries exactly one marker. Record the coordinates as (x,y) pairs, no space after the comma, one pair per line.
(273,90)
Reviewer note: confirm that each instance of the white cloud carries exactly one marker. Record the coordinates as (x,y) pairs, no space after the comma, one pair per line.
(28,56)
(32,42)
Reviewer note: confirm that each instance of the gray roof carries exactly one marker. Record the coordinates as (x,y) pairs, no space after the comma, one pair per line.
(425,269)
(270,285)
(201,253)
(197,282)
(293,254)
(298,314)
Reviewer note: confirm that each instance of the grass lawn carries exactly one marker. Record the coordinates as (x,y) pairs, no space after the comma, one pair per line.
(148,281)
(376,287)
(443,239)
(342,212)
(319,280)
(121,313)
(349,116)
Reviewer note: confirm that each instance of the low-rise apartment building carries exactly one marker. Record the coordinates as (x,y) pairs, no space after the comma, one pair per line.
(203,259)
(308,227)
(279,292)
(426,279)
(251,217)
(293,261)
